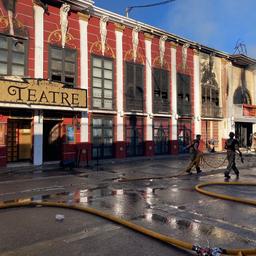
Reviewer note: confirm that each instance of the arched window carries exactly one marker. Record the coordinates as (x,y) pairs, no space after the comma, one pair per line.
(242,96)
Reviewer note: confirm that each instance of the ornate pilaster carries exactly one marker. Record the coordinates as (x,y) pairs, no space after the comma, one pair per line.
(119,27)
(39,40)
(83,16)
(135,41)
(38,73)
(174,91)
(184,55)
(197,93)
(64,10)
(148,36)
(162,48)
(83,22)
(103,32)
(149,125)
(173,45)
(119,82)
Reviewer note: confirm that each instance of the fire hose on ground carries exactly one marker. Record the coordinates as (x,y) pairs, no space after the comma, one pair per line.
(201,251)
(167,239)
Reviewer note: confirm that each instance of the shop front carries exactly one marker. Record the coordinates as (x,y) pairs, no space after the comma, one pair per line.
(184,134)
(36,118)
(244,122)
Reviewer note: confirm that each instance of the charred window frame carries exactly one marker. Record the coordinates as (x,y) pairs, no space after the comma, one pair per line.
(161,82)
(242,96)
(183,94)
(63,65)
(134,86)
(13,56)
(102,83)
(210,95)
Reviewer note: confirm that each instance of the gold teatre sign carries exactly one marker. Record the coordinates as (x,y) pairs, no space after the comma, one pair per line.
(41,92)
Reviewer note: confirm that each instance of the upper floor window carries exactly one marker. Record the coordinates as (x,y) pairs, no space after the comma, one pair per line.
(210,90)
(63,65)
(102,83)
(12,56)
(183,94)
(161,97)
(210,96)
(242,96)
(134,87)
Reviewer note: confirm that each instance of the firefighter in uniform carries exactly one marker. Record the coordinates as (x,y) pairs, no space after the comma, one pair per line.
(195,155)
(232,145)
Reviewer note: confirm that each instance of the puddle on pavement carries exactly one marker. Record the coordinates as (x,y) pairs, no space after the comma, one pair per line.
(194,231)
(82,196)
(247,192)
(123,202)
(159,166)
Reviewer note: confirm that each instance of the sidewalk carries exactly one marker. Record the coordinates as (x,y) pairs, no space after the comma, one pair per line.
(112,164)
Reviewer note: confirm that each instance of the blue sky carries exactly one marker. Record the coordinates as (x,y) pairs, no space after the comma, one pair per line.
(216,23)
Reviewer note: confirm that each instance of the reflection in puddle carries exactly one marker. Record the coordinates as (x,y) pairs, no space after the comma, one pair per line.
(194,230)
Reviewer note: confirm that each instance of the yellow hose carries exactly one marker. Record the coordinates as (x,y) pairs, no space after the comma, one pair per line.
(167,239)
(230,198)
(140,229)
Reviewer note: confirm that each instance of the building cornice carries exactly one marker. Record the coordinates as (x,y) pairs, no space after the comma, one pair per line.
(88,6)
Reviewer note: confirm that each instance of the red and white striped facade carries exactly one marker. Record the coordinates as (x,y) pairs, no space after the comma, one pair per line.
(96,33)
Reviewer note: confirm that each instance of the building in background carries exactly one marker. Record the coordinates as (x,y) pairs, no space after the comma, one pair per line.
(82,82)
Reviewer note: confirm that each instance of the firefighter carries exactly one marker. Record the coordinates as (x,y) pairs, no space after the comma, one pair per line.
(232,146)
(196,155)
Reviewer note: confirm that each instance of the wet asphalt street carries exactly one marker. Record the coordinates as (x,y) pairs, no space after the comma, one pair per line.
(170,206)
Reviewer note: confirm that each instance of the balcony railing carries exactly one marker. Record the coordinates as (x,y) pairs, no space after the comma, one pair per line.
(210,110)
(161,106)
(184,109)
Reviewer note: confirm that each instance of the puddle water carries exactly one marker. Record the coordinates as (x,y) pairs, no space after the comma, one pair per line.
(194,231)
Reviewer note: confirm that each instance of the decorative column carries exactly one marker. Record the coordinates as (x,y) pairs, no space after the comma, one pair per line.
(84,134)
(230,115)
(120,143)
(197,94)
(38,73)
(149,143)
(39,41)
(174,126)
(38,137)
(223,99)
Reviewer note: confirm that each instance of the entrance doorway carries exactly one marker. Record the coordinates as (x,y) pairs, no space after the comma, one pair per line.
(134,136)
(19,140)
(184,135)
(161,136)
(243,131)
(51,140)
